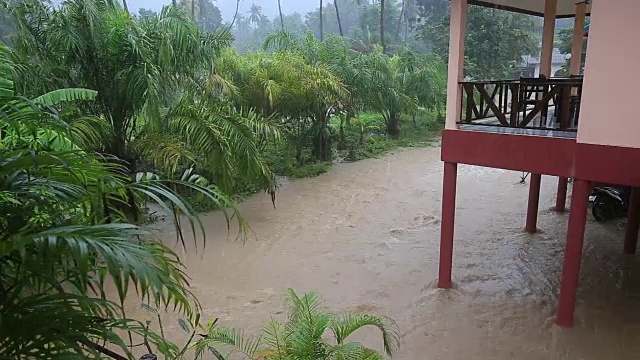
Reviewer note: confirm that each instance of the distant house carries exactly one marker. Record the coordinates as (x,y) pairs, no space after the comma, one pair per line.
(530,66)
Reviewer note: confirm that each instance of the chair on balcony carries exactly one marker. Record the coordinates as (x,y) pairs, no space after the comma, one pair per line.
(532,91)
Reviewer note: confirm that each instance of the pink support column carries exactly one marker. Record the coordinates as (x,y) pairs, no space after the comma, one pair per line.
(573,252)
(561,196)
(631,231)
(532,206)
(574,67)
(447,224)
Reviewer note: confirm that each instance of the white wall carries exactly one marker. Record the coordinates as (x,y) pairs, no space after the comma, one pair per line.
(610,106)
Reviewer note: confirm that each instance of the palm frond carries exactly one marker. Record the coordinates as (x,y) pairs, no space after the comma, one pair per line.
(345,325)
(305,307)
(56,97)
(236,340)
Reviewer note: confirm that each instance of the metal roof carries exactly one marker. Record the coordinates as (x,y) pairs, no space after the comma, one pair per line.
(566,8)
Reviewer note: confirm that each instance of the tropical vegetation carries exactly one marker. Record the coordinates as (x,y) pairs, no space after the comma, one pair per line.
(65,240)
(304,335)
(107,115)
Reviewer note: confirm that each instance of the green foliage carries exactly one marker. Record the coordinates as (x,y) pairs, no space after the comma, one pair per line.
(64,240)
(159,103)
(304,335)
(496,41)
(366,137)
(105,112)
(564,43)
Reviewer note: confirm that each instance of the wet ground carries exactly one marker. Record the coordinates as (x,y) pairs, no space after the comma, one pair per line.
(366,234)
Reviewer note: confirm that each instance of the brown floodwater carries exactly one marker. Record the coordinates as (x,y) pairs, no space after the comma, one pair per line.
(365,236)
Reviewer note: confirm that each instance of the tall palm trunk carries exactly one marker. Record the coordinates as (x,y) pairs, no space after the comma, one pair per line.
(174,3)
(384,47)
(193,10)
(235,16)
(402,10)
(281,17)
(321,24)
(335,4)
(124,4)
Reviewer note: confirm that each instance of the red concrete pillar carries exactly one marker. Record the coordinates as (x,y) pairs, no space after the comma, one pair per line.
(447,224)
(573,252)
(631,232)
(561,196)
(532,206)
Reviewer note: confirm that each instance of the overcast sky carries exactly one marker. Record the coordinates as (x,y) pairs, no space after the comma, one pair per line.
(228,7)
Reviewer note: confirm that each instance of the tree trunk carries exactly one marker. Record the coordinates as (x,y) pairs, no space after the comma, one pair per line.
(174,3)
(393,126)
(335,4)
(322,145)
(281,17)
(406,29)
(384,47)
(342,144)
(193,10)
(321,24)
(235,16)
(124,3)
(402,10)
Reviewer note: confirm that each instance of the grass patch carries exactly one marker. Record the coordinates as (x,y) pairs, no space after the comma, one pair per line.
(365,136)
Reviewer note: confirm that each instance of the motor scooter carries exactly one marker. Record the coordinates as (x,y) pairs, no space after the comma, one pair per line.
(609,202)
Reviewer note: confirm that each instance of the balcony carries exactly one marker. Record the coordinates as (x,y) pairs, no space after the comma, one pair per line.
(527,106)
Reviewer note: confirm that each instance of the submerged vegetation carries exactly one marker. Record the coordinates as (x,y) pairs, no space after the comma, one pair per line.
(104,113)
(304,335)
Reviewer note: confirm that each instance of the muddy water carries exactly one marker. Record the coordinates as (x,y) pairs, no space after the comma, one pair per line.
(365,235)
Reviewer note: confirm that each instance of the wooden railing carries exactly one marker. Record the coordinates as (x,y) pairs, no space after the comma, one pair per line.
(551,104)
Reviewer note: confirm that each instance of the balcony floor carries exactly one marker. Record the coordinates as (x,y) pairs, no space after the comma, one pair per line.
(519,131)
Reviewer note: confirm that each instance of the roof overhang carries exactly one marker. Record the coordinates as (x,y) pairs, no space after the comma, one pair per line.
(566,8)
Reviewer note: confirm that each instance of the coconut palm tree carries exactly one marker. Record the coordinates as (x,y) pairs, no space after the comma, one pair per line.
(63,243)
(305,334)
(335,4)
(403,8)
(321,22)
(281,16)
(382,42)
(255,14)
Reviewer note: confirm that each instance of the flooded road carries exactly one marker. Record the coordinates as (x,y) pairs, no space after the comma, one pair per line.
(365,235)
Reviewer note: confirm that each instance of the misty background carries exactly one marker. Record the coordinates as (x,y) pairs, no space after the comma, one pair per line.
(228,7)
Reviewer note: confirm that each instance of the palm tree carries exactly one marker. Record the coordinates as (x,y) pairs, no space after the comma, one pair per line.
(304,335)
(335,4)
(235,15)
(62,242)
(403,8)
(382,42)
(141,70)
(400,84)
(281,16)
(255,14)
(321,23)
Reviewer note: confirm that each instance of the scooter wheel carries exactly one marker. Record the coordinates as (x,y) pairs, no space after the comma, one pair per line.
(602,211)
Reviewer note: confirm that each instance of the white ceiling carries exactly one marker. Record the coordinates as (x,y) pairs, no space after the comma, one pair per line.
(566,8)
